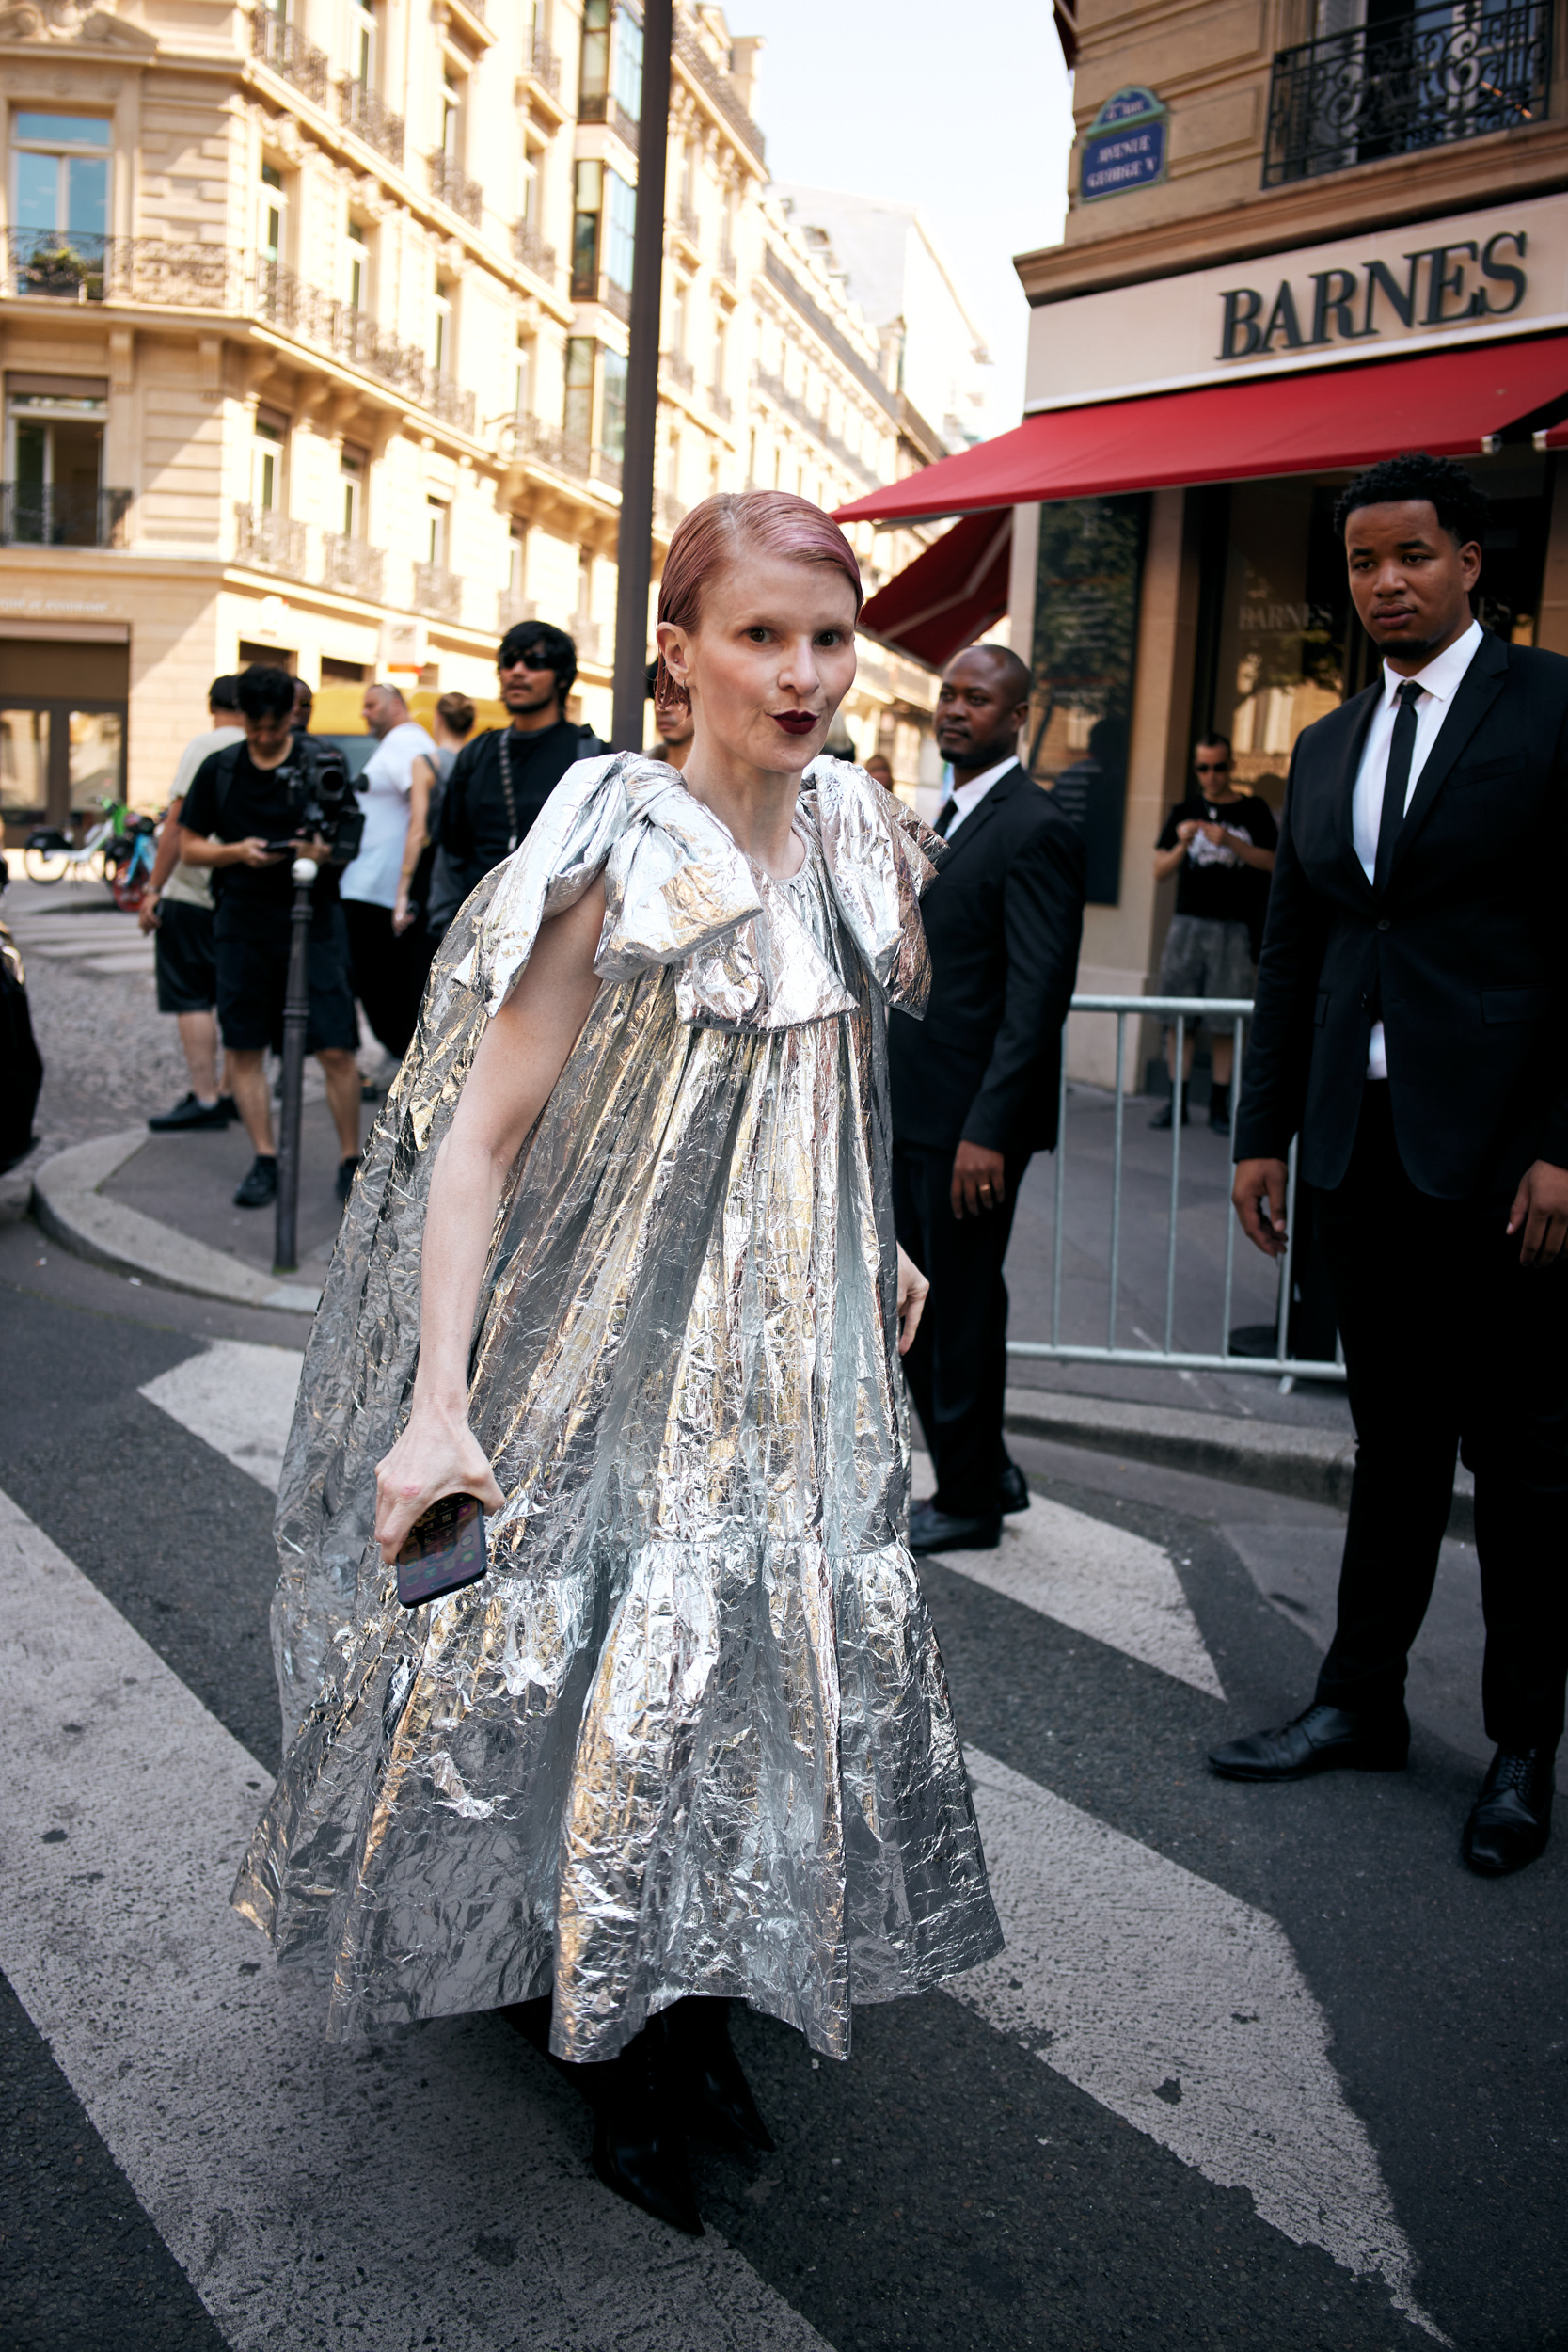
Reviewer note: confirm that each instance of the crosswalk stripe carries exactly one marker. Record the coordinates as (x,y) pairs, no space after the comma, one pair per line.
(1172,2002)
(1102,1581)
(1183,2010)
(418,2182)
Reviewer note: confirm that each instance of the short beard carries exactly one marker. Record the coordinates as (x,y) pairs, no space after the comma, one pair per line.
(980,756)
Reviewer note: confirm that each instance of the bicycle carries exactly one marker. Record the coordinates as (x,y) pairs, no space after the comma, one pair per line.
(49,855)
(129,858)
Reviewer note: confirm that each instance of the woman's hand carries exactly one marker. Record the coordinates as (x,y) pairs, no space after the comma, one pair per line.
(402,914)
(913,1288)
(436,1455)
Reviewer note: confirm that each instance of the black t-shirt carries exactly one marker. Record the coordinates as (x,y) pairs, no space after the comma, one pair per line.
(257,806)
(476,827)
(1213,882)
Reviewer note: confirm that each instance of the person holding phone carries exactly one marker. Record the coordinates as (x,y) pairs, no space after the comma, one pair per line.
(621,1267)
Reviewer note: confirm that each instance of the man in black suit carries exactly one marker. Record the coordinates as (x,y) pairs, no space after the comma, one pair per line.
(1410,1024)
(975,1084)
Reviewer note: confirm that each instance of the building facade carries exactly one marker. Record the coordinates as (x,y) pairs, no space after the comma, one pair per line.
(313,330)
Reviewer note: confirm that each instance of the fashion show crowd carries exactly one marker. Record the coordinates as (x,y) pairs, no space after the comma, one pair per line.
(610,1692)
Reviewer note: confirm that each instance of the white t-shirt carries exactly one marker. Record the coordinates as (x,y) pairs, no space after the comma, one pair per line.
(192,885)
(384,788)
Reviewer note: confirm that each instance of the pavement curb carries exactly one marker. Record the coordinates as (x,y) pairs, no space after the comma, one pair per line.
(1316,1465)
(67,1203)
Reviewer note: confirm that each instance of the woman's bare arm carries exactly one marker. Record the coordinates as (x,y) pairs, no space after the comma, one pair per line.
(519,1058)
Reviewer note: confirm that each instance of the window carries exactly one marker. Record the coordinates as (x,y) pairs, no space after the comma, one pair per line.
(60,184)
(621,243)
(524,400)
(53,457)
(452,119)
(578,416)
(528,188)
(437,523)
(441,344)
(672,466)
(363,37)
(602,201)
(266,461)
(357,267)
(517,584)
(629,66)
(585,585)
(593,74)
(721,356)
(352,466)
(612,427)
(271,215)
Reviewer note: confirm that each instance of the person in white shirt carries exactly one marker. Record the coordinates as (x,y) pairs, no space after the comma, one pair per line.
(389,969)
(178,911)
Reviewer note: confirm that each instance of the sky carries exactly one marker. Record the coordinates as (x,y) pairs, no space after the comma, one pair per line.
(965,111)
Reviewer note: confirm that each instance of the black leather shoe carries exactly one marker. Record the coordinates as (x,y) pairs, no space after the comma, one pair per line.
(1013,1493)
(260,1185)
(716,2098)
(1323,1740)
(931,1530)
(343,1184)
(638,2148)
(1512,1819)
(1162,1117)
(189,1112)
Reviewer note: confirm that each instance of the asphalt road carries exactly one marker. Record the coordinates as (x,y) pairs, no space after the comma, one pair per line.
(1259,2067)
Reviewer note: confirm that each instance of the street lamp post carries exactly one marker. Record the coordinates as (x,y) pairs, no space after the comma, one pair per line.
(634,544)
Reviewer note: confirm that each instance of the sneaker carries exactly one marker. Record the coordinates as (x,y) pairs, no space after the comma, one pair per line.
(190,1111)
(347,1170)
(261,1186)
(1162,1117)
(229,1108)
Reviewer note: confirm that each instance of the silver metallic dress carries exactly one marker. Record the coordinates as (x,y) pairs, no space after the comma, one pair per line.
(691,1733)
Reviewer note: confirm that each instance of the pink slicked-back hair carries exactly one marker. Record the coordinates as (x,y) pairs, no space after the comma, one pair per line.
(720,530)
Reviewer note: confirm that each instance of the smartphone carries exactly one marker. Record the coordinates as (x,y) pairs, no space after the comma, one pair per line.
(442,1552)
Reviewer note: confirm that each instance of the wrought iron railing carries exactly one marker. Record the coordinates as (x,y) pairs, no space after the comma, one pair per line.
(1454,72)
(273,542)
(719,87)
(534,251)
(290,55)
(444,398)
(452,184)
(720,403)
(352,565)
(678,368)
(602,107)
(62,514)
(551,445)
(437,591)
(727,266)
(541,65)
(616,299)
(366,115)
(690,222)
(511,608)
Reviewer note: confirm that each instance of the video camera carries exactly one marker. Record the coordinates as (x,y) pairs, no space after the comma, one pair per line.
(318,786)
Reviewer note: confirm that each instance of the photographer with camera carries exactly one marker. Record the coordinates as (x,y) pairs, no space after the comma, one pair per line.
(251,810)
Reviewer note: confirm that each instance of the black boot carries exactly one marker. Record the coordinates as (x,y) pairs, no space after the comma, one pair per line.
(1512,1819)
(638,2148)
(715,2096)
(1219,1107)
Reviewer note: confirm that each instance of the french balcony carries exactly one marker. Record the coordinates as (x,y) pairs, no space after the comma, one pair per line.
(553,450)
(540,84)
(438,592)
(444,398)
(452,186)
(727,267)
(534,251)
(678,368)
(270,541)
(719,87)
(62,514)
(510,609)
(602,107)
(292,57)
(362,112)
(1373,92)
(720,403)
(351,566)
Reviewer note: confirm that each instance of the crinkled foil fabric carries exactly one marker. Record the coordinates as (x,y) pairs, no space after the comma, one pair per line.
(691,1734)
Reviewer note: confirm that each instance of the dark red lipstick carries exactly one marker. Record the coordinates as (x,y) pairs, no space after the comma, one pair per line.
(795,722)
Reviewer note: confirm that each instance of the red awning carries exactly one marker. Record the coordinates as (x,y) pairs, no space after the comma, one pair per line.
(1446,401)
(948,595)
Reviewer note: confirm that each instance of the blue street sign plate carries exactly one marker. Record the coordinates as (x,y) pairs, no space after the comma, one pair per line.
(1125,147)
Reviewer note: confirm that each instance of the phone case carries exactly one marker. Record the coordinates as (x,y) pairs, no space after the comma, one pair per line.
(443,1551)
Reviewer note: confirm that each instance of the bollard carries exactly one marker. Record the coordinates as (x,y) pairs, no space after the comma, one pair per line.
(296,1023)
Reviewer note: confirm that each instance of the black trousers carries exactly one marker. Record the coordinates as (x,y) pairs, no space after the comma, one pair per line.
(958,1367)
(1450,1345)
(389,971)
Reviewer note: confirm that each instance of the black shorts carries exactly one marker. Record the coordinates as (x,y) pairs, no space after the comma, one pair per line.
(184,959)
(253,973)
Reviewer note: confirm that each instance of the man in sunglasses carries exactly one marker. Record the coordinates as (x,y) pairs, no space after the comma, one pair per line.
(501,780)
(1220,843)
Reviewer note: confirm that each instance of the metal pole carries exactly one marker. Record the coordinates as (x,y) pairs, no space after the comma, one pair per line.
(1177,1097)
(634,544)
(1116,1180)
(297,1022)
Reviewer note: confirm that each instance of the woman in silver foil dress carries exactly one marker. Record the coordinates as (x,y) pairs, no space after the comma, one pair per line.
(620,1260)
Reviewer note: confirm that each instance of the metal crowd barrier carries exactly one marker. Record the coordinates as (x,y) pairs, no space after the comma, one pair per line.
(1176,1011)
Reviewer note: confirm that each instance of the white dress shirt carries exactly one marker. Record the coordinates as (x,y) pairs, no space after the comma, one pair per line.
(1439,683)
(966,797)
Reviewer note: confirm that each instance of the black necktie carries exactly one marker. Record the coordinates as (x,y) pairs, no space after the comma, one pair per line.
(945,815)
(1397,781)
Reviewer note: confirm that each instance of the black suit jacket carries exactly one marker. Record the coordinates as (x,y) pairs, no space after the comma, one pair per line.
(1004,919)
(1464,957)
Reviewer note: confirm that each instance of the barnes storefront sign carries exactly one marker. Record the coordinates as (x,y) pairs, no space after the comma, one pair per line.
(1124,147)
(1439,285)
(1498,270)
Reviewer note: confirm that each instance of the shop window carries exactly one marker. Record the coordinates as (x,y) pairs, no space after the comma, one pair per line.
(59,200)
(335,673)
(1088,583)
(268,657)
(54,460)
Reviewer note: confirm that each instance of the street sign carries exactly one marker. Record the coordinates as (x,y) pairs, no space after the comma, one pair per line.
(1124,147)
